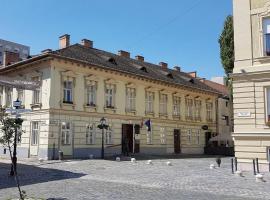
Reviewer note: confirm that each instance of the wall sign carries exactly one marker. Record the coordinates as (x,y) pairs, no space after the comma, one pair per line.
(244,114)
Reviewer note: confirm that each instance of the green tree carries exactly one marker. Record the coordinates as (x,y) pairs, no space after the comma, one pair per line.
(8,138)
(226,42)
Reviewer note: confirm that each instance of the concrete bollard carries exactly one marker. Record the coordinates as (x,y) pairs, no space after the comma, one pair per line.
(149,162)
(133,160)
(117,159)
(91,156)
(169,163)
(239,173)
(259,178)
(212,166)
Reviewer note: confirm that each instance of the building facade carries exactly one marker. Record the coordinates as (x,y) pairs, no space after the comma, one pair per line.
(251,81)
(19,50)
(81,84)
(224,115)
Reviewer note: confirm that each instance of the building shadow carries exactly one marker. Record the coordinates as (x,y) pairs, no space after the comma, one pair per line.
(29,174)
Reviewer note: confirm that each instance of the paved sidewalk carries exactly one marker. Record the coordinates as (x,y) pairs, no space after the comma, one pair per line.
(187,178)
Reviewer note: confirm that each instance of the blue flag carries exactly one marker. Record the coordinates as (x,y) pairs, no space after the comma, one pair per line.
(148,124)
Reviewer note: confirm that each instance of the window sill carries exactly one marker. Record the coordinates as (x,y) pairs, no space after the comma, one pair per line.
(164,115)
(35,105)
(131,112)
(90,108)
(149,113)
(110,109)
(176,117)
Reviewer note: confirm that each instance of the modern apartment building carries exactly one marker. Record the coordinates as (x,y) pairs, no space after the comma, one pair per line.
(81,84)
(251,81)
(11,49)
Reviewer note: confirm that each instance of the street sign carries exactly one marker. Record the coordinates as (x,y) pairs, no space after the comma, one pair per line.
(17,111)
(17,104)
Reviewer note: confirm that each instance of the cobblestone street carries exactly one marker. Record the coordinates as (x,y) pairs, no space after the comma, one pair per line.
(98,179)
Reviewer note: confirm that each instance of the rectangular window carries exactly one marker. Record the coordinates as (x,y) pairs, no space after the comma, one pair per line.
(227,120)
(198,105)
(68,95)
(90,134)
(91,94)
(110,96)
(19,136)
(268,154)
(1,96)
(268,104)
(162,135)
(35,133)
(189,136)
(8,96)
(109,136)
(20,96)
(66,133)
(163,104)
(36,92)
(176,106)
(189,109)
(266,35)
(149,102)
(209,110)
(149,137)
(198,136)
(131,99)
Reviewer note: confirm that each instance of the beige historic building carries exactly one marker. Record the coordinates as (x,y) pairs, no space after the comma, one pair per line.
(251,81)
(81,84)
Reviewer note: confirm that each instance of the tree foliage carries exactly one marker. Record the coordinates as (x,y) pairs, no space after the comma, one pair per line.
(226,42)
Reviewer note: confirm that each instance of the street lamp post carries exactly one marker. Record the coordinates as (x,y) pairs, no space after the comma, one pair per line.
(102,126)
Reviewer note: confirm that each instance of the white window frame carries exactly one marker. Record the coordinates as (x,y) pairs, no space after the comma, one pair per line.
(8,91)
(109,136)
(198,107)
(131,99)
(68,91)
(20,95)
(189,108)
(176,106)
(36,94)
(268,153)
(35,133)
(66,133)
(149,102)
(209,111)
(162,135)
(91,91)
(189,136)
(198,136)
(90,134)
(1,95)
(110,95)
(163,101)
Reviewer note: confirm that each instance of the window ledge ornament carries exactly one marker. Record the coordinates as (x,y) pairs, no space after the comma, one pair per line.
(67,104)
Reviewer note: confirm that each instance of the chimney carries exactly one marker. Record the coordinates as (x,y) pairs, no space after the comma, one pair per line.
(193,74)
(64,41)
(46,51)
(87,43)
(10,58)
(163,65)
(177,68)
(139,58)
(124,53)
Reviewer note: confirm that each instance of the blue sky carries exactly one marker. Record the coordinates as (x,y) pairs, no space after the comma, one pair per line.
(179,32)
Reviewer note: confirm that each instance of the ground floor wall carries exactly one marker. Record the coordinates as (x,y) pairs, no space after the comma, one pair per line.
(248,148)
(70,132)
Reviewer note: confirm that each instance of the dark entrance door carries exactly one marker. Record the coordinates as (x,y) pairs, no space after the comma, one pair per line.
(127,138)
(177,141)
